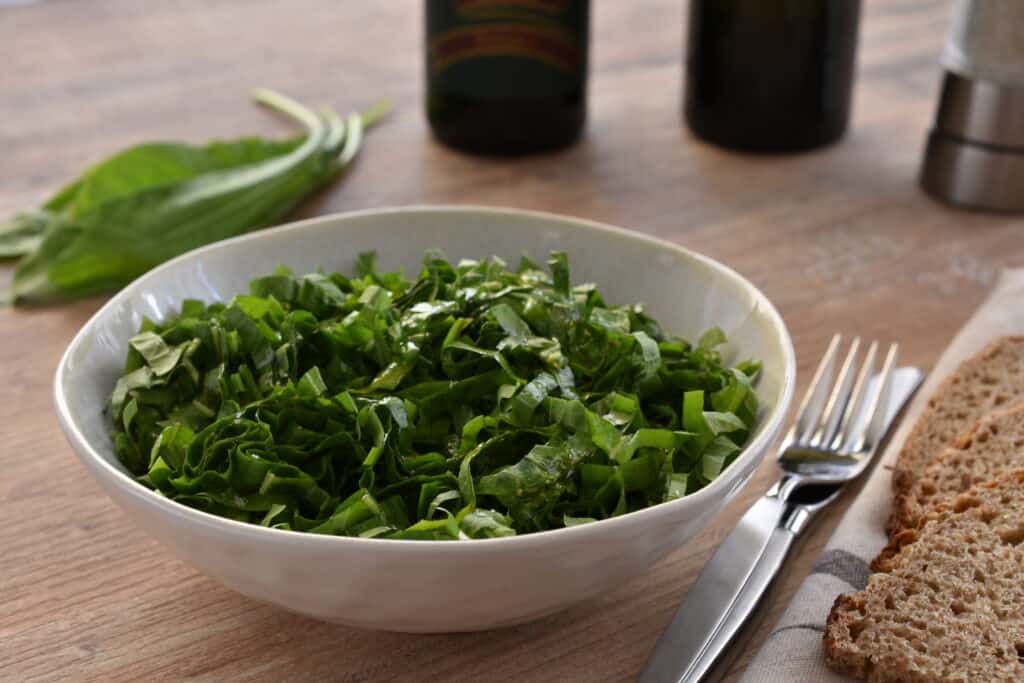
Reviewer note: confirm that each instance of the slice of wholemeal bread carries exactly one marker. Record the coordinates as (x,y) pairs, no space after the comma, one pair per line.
(949,605)
(994,445)
(992,378)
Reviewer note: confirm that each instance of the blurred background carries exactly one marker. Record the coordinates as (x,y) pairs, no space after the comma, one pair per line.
(84,78)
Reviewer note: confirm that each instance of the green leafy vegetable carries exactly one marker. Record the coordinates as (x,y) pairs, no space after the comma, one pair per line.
(154,201)
(472,402)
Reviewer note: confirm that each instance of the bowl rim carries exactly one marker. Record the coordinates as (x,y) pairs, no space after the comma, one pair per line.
(100,468)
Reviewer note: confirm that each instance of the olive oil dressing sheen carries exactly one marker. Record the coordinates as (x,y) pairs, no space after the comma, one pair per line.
(506,76)
(770,75)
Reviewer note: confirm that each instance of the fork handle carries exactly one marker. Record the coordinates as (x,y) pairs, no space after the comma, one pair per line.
(710,615)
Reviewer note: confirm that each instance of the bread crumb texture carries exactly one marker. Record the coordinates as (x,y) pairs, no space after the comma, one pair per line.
(991,380)
(994,445)
(950,604)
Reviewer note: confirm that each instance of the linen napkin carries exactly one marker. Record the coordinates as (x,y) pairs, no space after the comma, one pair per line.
(793,650)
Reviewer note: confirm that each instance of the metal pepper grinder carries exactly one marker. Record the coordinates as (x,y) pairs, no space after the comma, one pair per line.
(975,151)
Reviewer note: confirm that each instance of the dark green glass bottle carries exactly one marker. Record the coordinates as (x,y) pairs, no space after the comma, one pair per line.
(770,75)
(506,76)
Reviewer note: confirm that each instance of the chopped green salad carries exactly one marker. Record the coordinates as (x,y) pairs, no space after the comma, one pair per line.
(471,402)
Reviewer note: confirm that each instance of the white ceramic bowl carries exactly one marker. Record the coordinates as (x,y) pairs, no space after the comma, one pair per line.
(429,586)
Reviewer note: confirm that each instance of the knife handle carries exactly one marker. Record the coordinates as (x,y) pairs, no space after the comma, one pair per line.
(754,589)
(703,625)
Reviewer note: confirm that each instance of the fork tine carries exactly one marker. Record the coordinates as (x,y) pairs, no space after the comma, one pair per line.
(876,424)
(837,401)
(846,435)
(813,401)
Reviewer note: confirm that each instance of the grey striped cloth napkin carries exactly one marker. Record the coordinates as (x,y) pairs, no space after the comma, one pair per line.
(793,650)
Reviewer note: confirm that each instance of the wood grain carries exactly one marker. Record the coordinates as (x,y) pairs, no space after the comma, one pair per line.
(840,239)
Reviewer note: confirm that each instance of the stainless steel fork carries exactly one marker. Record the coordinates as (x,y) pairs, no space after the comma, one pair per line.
(841,421)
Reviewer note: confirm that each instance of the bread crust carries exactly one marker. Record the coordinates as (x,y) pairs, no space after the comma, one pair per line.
(905,514)
(838,656)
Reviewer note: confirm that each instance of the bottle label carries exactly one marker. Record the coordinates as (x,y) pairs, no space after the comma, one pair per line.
(507,49)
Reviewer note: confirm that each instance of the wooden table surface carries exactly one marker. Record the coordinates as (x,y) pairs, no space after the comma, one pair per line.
(840,239)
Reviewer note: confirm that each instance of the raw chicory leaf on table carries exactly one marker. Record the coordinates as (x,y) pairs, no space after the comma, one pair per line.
(154,201)
(472,402)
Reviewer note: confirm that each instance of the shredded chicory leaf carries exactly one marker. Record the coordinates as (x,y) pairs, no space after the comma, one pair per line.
(472,402)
